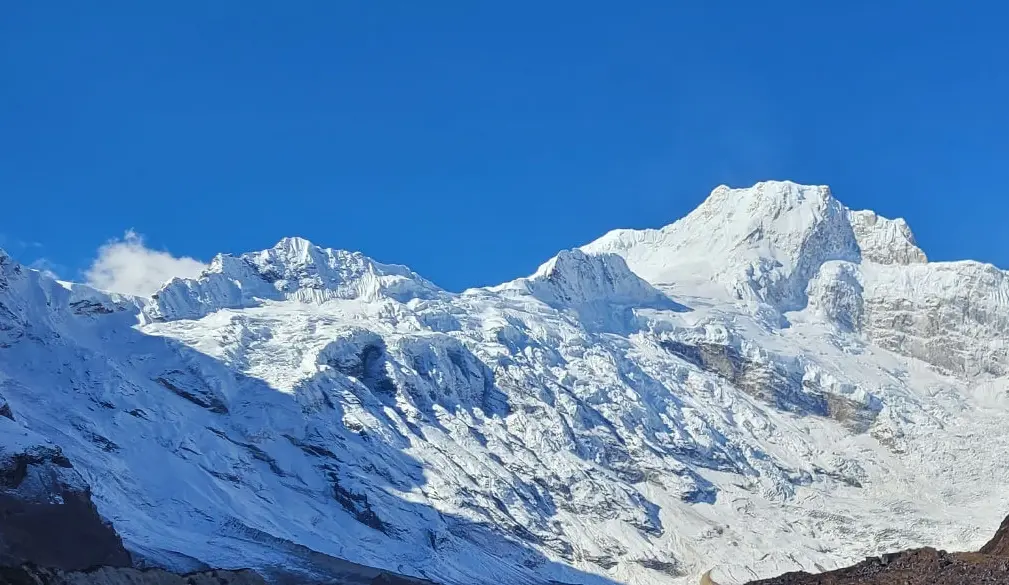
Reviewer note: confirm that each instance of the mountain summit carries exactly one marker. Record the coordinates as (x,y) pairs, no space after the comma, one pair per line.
(772,383)
(294,269)
(763,243)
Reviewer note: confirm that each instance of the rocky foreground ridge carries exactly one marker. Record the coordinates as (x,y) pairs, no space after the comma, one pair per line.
(922,566)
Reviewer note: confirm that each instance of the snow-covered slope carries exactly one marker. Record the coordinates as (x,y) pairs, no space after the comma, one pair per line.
(773,382)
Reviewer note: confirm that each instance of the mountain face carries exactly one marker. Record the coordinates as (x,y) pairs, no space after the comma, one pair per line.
(772,383)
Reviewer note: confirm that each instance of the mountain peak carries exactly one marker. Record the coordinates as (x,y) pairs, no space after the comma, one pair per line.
(294,269)
(761,243)
(573,278)
(771,195)
(294,244)
(780,207)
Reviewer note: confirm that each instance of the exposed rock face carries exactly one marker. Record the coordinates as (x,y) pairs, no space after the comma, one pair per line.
(999,544)
(949,314)
(47,517)
(885,241)
(773,382)
(768,382)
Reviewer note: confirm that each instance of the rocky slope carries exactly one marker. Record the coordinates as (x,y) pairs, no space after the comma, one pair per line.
(925,566)
(774,379)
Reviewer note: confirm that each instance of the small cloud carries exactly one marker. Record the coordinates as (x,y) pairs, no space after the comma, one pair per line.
(7,241)
(128,266)
(47,267)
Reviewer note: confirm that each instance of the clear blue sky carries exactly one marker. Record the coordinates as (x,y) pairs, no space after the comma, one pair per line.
(471,140)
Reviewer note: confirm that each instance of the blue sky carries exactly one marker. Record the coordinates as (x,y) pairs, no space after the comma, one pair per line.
(473,140)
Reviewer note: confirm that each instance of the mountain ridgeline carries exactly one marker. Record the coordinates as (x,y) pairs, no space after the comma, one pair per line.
(774,383)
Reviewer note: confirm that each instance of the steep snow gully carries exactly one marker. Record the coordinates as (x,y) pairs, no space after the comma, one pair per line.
(772,383)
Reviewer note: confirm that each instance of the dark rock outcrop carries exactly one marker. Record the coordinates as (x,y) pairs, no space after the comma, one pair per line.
(47,516)
(999,544)
(772,383)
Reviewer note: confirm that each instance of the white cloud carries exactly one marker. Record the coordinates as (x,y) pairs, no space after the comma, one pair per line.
(47,267)
(128,266)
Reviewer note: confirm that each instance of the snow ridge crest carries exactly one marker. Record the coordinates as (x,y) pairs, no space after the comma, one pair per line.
(574,277)
(762,243)
(294,269)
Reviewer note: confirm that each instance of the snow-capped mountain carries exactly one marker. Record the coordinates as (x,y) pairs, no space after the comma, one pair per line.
(774,382)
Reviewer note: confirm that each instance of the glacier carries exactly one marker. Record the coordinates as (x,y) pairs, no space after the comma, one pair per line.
(774,382)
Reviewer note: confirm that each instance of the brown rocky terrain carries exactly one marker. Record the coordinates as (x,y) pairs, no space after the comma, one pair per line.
(924,566)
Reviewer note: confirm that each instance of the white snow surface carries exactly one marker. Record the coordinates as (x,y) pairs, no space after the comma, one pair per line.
(772,383)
